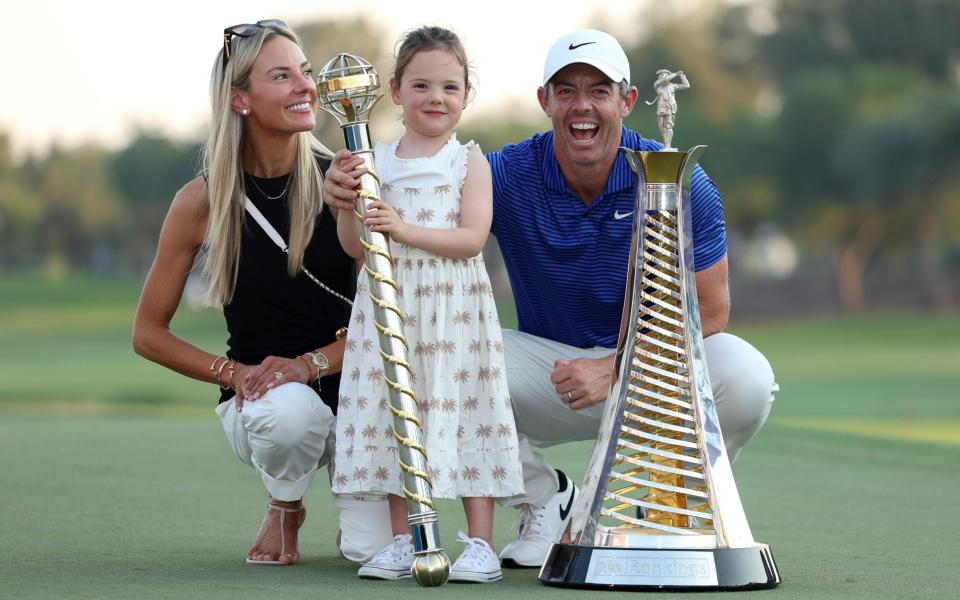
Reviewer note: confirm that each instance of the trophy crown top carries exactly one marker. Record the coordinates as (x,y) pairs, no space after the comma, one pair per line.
(348,87)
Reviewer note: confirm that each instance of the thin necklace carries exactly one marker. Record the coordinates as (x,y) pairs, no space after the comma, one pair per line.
(265,195)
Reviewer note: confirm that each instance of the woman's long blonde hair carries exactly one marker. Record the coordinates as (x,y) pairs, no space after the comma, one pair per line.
(222,165)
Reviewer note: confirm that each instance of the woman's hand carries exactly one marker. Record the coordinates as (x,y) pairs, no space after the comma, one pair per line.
(241,373)
(342,180)
(383,218)
(253,381)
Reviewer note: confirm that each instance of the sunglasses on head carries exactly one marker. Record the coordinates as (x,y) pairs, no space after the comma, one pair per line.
(245,30)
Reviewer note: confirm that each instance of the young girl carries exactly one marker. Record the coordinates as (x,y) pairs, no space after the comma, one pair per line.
(436,208)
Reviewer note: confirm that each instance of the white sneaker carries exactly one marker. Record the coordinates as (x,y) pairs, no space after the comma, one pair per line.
(392,562)
(477,564)
(539,528)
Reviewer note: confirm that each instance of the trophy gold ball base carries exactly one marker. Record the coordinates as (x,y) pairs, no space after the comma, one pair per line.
(690,569)
(431,569)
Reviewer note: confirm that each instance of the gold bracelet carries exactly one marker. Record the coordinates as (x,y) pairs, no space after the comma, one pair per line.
(220,370)
(213,365)
(233,363)
(310,377)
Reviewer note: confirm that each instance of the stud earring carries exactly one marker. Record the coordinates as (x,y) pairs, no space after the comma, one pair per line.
(245,111)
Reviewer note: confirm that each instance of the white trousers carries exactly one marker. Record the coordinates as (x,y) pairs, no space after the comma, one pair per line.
(285,436)
(741,378)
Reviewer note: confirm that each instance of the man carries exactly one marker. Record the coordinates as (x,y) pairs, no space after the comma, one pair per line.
(560,215)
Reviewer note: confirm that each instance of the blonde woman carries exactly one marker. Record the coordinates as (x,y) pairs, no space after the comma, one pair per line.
(285,310)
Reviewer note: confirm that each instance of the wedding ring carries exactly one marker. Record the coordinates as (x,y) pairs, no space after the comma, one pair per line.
(277,375)
(570,396)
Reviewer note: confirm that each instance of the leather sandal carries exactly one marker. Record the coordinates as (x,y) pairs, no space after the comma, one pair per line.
(283,541)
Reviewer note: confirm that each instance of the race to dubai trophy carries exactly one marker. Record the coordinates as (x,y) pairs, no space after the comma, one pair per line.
(659,508)
(348,88)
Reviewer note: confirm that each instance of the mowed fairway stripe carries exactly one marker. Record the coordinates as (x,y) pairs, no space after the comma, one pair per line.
(944,430)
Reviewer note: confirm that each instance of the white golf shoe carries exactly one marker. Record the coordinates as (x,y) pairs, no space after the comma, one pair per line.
(538,528)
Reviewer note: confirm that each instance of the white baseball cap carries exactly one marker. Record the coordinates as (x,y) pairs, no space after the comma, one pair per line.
(592,47)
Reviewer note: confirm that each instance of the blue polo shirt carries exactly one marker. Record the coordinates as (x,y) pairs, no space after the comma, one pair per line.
(567,262)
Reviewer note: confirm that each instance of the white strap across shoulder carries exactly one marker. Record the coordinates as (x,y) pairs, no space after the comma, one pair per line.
(265,224)
(282,244)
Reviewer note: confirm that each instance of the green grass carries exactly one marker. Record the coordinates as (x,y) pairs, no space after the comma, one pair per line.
(890,365)
(115,480)
(74,336)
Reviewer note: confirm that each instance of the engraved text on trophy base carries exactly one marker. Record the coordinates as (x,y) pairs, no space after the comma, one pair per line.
(638,567)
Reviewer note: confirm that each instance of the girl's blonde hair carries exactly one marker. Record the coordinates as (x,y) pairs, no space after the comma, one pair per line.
(222,165)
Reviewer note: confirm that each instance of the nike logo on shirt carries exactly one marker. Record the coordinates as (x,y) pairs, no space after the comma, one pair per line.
(617,215)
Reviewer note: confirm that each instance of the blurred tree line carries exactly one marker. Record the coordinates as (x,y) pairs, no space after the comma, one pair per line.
(836,121)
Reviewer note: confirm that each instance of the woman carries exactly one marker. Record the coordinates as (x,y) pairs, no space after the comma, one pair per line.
(285,312)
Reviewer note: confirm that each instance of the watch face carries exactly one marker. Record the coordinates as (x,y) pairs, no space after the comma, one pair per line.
(320,360)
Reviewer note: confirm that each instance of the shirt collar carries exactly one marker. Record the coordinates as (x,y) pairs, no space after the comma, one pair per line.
(621,176)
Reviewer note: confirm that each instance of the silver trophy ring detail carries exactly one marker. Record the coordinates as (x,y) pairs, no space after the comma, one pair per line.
(570,396)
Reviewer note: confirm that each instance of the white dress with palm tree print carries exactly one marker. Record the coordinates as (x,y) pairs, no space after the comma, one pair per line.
(455,348)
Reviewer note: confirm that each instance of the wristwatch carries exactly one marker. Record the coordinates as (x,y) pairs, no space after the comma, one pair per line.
(320,361)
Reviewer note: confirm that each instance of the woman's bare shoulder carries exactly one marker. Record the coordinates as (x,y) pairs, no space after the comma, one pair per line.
(189,210)
(192,196)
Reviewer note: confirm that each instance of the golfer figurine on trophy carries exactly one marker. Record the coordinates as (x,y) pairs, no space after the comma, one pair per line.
(667,103)
(659,508)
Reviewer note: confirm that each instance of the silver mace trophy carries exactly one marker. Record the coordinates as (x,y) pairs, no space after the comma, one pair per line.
(659,508)
(349,87)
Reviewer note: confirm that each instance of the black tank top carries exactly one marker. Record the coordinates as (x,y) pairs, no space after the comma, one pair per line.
(272,313)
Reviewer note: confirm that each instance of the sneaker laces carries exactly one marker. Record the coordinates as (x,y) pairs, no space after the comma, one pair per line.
(529,523)
(396,551)
(475,554)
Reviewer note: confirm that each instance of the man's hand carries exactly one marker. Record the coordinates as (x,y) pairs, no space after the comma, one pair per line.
(582,382)
(342,180)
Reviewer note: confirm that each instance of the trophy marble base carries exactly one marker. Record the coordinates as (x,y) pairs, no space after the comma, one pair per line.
(568,565)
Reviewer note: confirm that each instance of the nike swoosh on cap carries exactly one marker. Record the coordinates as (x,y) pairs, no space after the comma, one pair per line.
(575,46)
